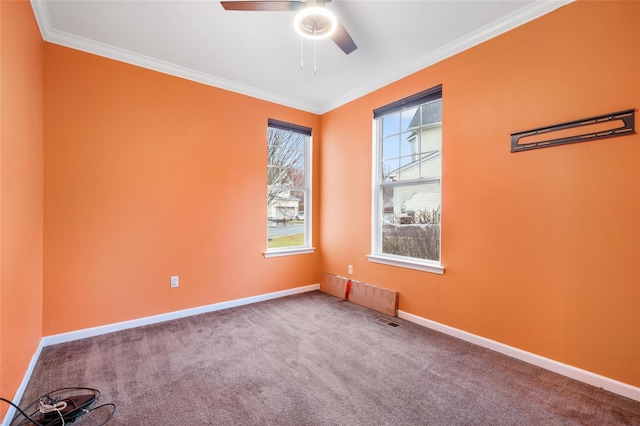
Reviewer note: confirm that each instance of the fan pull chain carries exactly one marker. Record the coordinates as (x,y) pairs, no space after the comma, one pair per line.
(301,53)
(315,52)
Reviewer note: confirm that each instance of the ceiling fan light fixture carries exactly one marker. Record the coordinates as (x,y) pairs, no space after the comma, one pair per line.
(315,22)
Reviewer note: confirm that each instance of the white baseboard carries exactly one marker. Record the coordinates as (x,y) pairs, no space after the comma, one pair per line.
(23,385)
(585,376)
(110,328)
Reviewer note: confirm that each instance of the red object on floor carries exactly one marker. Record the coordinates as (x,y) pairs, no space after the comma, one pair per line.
(347,291)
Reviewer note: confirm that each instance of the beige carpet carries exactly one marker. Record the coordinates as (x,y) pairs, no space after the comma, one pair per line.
(310,360)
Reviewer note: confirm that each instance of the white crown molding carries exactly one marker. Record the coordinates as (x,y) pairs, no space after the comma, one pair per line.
(494,29)
(513,20)
(42,17)
(61,38)
(606,383)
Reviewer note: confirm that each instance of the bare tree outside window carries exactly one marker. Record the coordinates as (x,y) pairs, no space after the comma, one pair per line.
(287,189)
(286,156)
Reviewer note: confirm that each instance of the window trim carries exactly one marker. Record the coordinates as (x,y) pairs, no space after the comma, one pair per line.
(283,125)
(288,251)
(376,255)
(308,202)
(407,262)
(410,101)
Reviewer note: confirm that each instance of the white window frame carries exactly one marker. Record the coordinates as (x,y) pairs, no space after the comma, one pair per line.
(377,255)
(308,206)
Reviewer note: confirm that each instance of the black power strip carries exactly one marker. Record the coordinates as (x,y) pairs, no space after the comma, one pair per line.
(60,407)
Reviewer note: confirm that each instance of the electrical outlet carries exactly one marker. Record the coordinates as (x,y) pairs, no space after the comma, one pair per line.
(175,281)
(350,269)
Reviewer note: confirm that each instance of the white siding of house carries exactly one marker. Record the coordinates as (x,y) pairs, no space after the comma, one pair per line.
(283,209)
(425,196)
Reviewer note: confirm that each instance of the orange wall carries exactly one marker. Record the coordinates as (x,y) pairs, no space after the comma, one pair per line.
(20,193)
(148,176)
(541,248)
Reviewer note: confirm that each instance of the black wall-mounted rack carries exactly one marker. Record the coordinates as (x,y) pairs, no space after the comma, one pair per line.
(627,127)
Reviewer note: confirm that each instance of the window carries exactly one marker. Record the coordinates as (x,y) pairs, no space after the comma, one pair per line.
(407,172)
(288,189)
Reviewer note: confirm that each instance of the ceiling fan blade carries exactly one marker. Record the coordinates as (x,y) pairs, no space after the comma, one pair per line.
(275,6)
(342,38)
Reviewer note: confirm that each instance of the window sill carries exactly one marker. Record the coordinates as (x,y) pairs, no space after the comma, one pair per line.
(289,252)
(400,262)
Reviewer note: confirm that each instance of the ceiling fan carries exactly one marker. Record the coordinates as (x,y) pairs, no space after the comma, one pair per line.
(313,19)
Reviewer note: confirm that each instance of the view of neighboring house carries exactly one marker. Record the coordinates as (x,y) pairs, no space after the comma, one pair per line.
(424,142)
(283,207)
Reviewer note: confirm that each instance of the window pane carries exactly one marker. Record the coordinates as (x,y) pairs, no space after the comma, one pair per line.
(431,138)
(273,137)
(390,170)
(285,219)
(411,221)
(273,175)
(297,142)
(391,147)
(287,188)
(432,112)
(431,164)
(409,143)
(286,165)
(293,177)
(391,124)
(408,168)
(410,119)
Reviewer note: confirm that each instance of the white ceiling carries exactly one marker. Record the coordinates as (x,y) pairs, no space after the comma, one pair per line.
(259,53)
